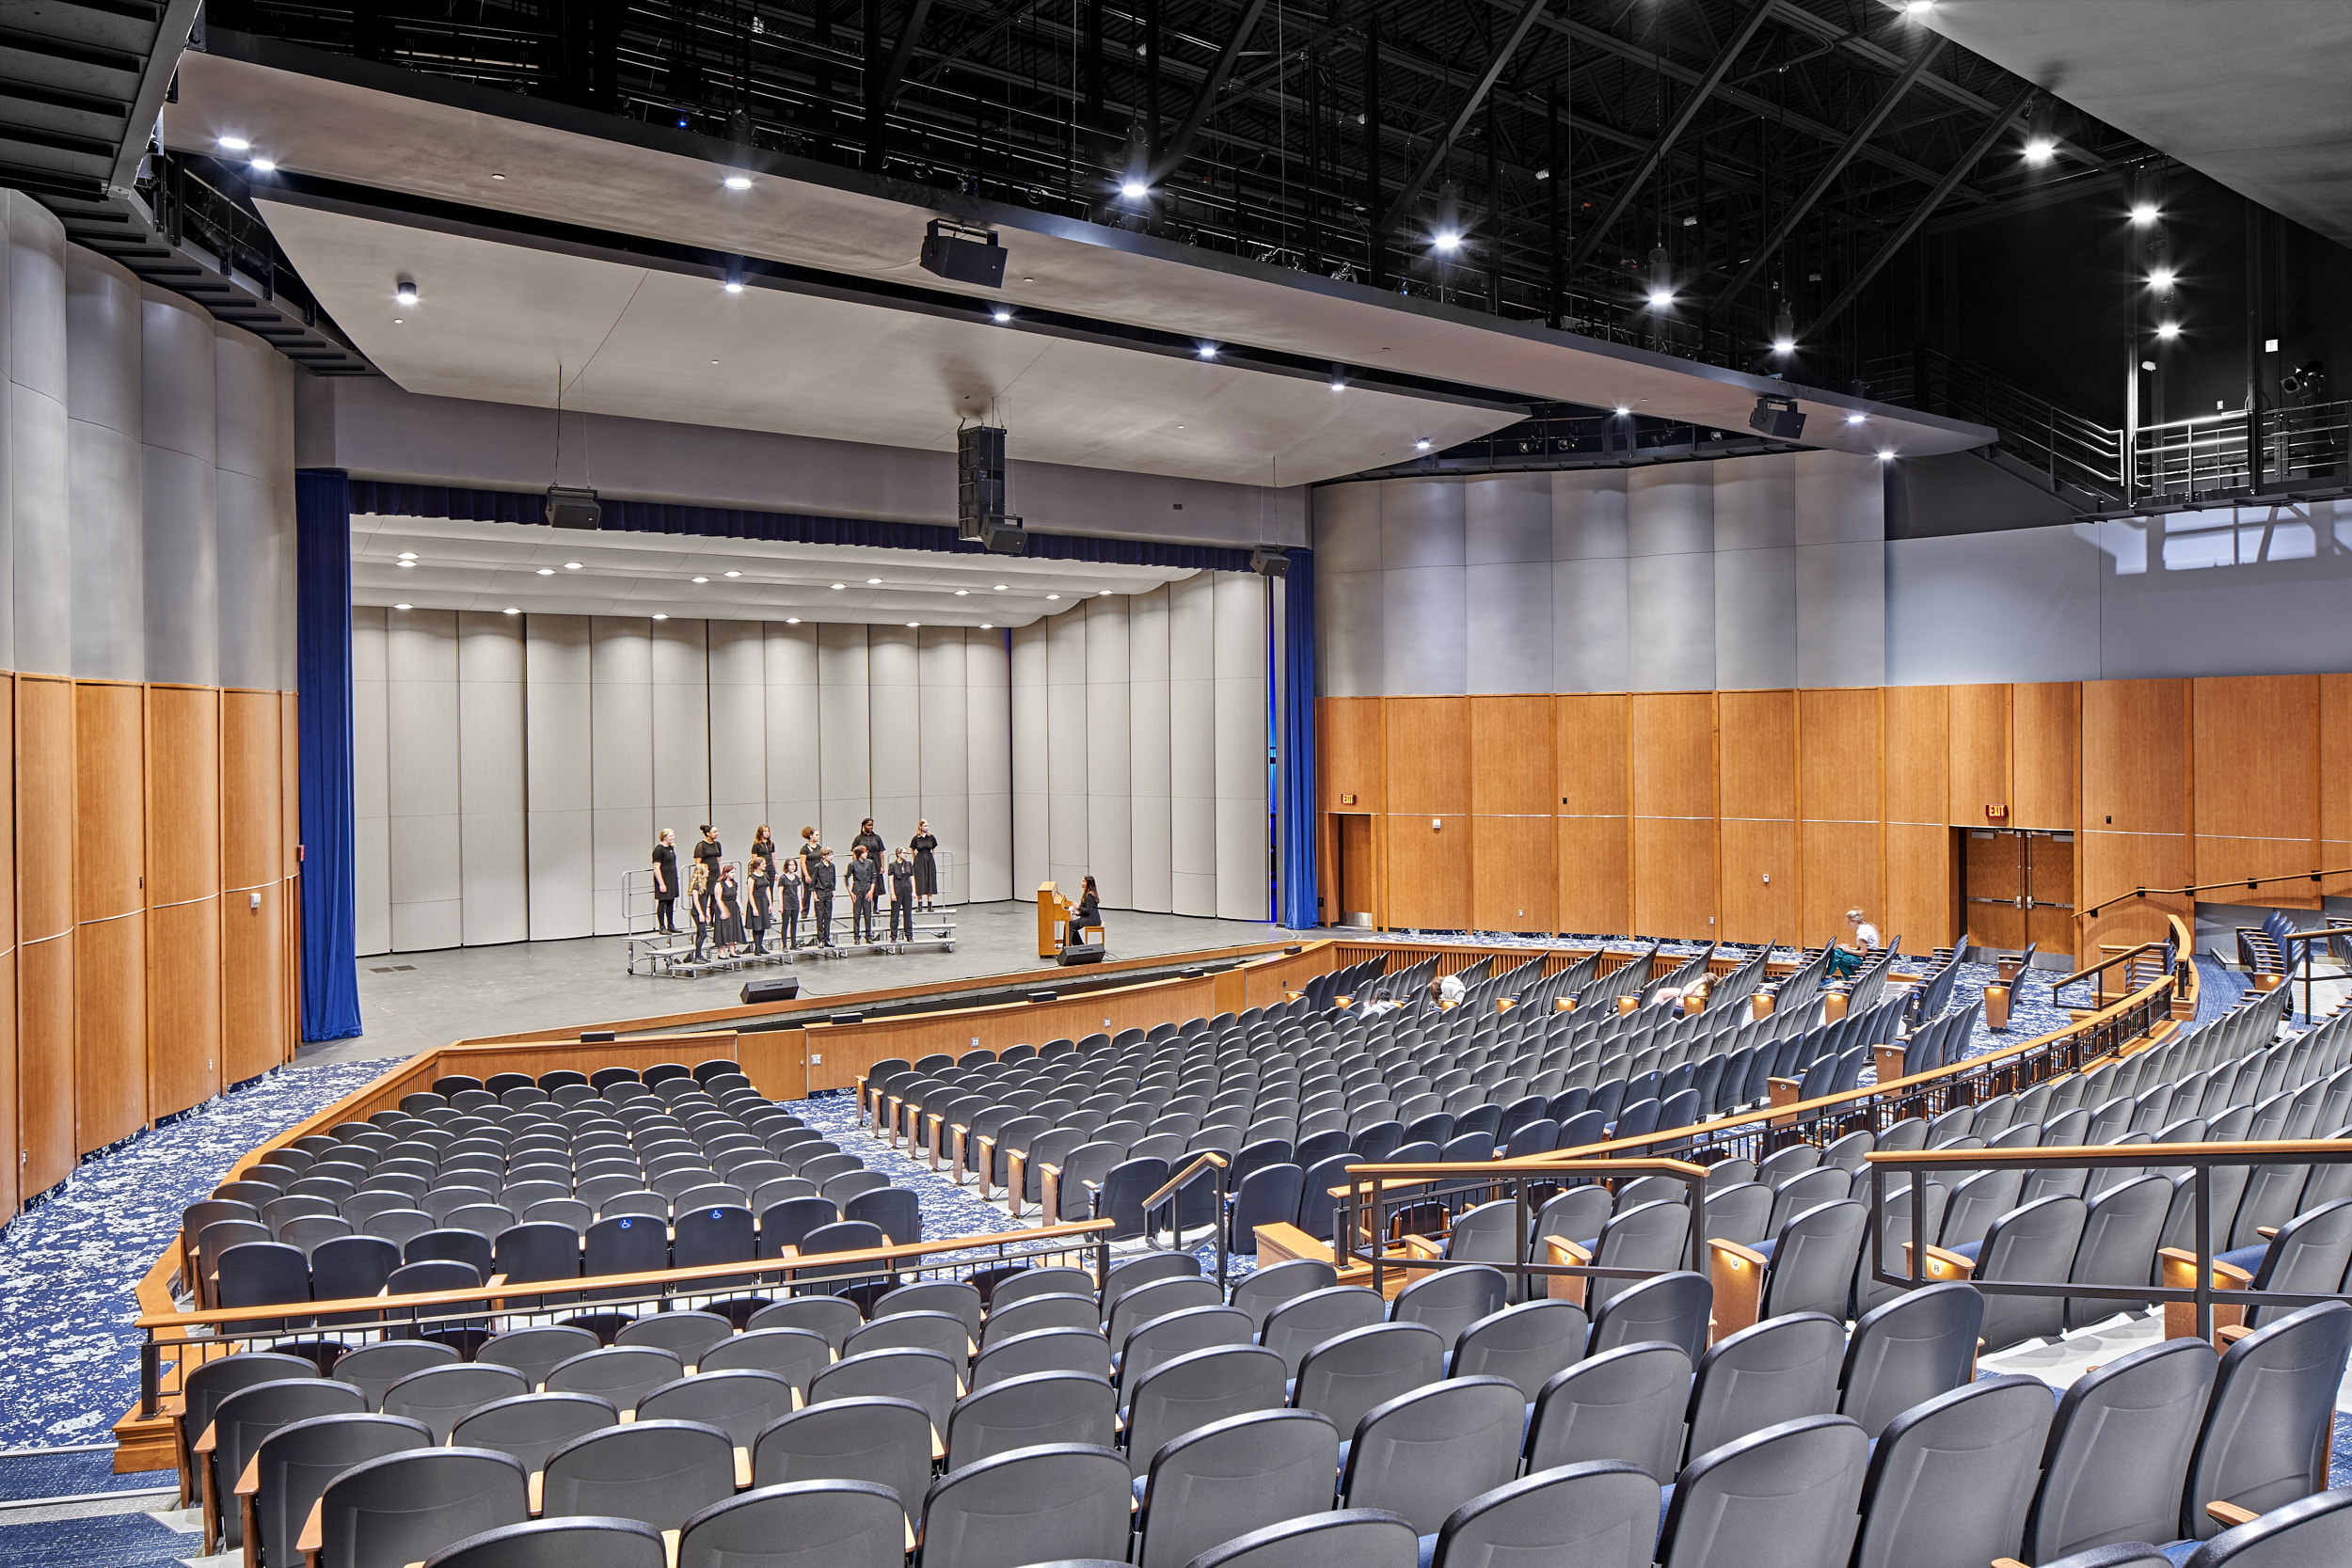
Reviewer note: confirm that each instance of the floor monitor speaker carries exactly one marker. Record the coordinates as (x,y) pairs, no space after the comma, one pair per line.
(1081,953)
(782,988)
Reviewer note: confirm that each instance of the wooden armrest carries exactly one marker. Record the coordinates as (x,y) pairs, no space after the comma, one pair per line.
(1559,1249)
(2266,1232)
(2007,1562)
(2230,1334)
(742,1469)
(313,1540)
(1736,1272)
(939,1450)
(1566,1287)
(2229,1516)
(1422,1246)
(1736,1255)
(250,1484)
(1050,1171)
(538,1479)
(1943,1265)
(204,1443)
(2227,1276)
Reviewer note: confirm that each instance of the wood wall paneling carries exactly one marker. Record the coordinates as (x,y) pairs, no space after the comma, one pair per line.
(12,1191)
(1428,872)
(183,1005)
(1674,875)
(182,794)
(1755,754)
(1590,739)
(1919,894)
(1595,867)
(2111,866)
(1511,756)
(2255,745)
(2135,757)
(1427,745)
(1838,755)
(251,843)
(2046,772)
(1840,871)
(1917,727)
(1349,759)
(1511,873)
(252,984)
(1758,871)
(44,914)
(1980,751)
(2335,780)
(109,1030)
(109,798)
(1674,754)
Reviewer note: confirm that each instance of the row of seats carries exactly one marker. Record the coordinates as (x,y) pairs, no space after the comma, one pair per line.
(537,1183)
(1876,1445)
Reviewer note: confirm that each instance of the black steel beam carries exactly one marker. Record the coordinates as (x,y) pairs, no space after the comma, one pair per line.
(1167,159)
(1531,12)
(884,95)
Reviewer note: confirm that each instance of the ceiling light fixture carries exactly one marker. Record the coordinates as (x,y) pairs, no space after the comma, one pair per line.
(1854,417)
(263,166)
(546,571)
(791,620)
(1135,190)
(912,624)
(1208,351)
(404,607)
(2144,213)
(1422,445)
(571,565)
(2168,330)
(1104,594)
(497,177)
(235,144)
(1919,7)
(1623,409)
(1886,456)
(404,292)
(407,555)
(1447,241)
(702,579)
(1053,596)
(731,574)
(873,582)
(1339,385)
(738,182)
(988,625)
(2161,278)
(660,617)
(511,610)
(407,563)
(733,286)
(1000,588)
(839,585)
(1003,315)
(963,592)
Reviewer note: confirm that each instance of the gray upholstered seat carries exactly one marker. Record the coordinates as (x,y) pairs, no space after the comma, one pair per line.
(442,1396)
(1625,1403)
(1950,1479)
(1199,1389)
(2269,1424)
(1528,1343)
(2119,1450)
(404,1507)
(1228,1477)
(533,1426)
(1782,1497)
(1032,1505)
(1299,1326)
(575,1543)
(1596,1515)
(1919,1345)
(1027,1411)
(658,1472)
(1773,1371)
(1347,1376)
(810,1524)
(1345,1538)
(1425,1453)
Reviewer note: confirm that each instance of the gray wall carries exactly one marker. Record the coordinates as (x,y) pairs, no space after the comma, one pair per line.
(1138,734)
(375,430)
(510,769)
(1740,572)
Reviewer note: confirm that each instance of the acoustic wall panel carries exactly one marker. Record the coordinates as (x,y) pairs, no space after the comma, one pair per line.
(895,732)
(254,463)
(370,777)
(1150,868)
(103,464)
(424,799)
(1067,860)
(1031,748)
(183,990)
(988,767)
(1108,762)
(39,536)
(620,756)
(1506,539)
(793,744)
(1243,829)
(739,733)
(179,499)
(110,1030)
(1348,590)
(493,846)
(557,756)
(845,754)
(1192,735)
(681,731)
(943,769)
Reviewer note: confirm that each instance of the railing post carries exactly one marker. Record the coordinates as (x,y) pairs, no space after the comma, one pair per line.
(151,1374)
(1379,1253)
(2204,1249)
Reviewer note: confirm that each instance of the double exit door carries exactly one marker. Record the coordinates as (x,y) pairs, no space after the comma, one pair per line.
(2018,887)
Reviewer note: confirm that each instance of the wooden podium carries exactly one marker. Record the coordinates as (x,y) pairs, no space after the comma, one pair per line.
(1054,914)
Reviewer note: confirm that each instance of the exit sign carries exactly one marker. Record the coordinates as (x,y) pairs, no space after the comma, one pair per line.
(1996,812)
(1348,799)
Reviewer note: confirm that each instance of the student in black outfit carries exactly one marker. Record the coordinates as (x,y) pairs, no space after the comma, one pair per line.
(821,881)
(926,868)
(665,881)
(707,853)
(698,905)
(759,898)
(865,881)
(807,857)
(869,841)
(728,898)
(902,897)
(792,888)
(1089,912)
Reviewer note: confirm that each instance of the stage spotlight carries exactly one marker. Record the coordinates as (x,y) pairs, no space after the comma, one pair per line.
(404,292)
(1447,240)
(2168,330)
(235,144)
(2144,213)
(1135,190)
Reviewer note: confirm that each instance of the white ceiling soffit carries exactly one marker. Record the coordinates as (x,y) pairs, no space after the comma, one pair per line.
(2256,94)
(807,214)
(496,566)
(494,321)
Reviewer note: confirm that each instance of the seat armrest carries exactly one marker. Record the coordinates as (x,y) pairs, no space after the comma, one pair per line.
(313,1540)
(1736,1272)
(2229,1516)
(1566,1287)
(1422,1246)
(1943,1265)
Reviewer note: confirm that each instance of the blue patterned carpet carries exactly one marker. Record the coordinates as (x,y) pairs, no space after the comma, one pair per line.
(69,1357)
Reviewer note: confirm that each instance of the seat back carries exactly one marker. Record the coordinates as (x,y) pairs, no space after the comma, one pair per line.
(1032,1505)
(924,1377)
(1596,1515)
(1529,1344)
(2036,1243)
(884,1441)
(1425,1453)
(1025,1412)
(810,1524)
(621,1373)
(1950,1480)
(2119,1450)
(405,1506)
(1773,1371)
(1196,1390)
(1228,1477)
(657,1472)
(1782,1497)
(533,1426)
(2315,1532)
(739,1402)
(1625,1403)
(1675,1307)
(1813,1261)
(373,1368)
(442,1396)
(2268,1425)
(1347,1376)
(1299,1326)
(1921,1344)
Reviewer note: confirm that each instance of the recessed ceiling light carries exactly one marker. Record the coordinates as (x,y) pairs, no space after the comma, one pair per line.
(407,555)
(264,166)
(1028,281)
(399,322)
(1422,445)
(404,607)
(961,592)
(1053,596)
(1135,190)
(873,582)
(510,609)
(913,623)
(662,617)
(1623,409)
(235,144)
(731,574)
(497,177)
(791,620)
(1003,315)
(841,585)
(732,287)
(404,292)
(1208,351)
(714,362)
(1000,588)
(738,182)
(1104,594)
(988,625)
(1886,457)
(702,579)
(1339,385)
(1180,427)
(571,565)
(1854,417)
(546,571)
(407,563)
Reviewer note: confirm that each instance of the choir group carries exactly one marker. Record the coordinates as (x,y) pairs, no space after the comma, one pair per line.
(732,914)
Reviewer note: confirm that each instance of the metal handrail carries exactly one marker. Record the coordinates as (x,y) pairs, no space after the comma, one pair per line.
(2122,958)
(2193,888)
(2201,1158)
(1209,1162)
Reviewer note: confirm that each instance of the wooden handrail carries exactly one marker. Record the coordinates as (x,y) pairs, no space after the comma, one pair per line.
(2208,887)
(2285,1150)
(1527,1165)
(2124,957)
(485,1297)
(1207,1157)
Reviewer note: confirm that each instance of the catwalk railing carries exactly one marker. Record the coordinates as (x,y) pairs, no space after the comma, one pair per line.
(2194,1278)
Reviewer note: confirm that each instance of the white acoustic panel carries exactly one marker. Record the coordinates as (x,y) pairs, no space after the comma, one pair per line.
(681,728)
(943,768)
(794,747)
(1066,847)
(845,759)
(1149,867)
(1243,832)
(1192,743)
(422,798)
(988,765)
(1107,759)
(557,799)
(894,732)
(620,760)
(371,761)
(1031,748)
(493,853)
(739,731)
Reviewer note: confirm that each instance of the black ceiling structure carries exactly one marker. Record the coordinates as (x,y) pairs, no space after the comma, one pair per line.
(1761,160)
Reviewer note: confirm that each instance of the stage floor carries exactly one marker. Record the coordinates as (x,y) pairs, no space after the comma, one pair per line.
(414,1001)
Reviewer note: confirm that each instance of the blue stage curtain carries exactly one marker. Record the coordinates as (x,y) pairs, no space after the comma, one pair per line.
(330,973)
(1297,803)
